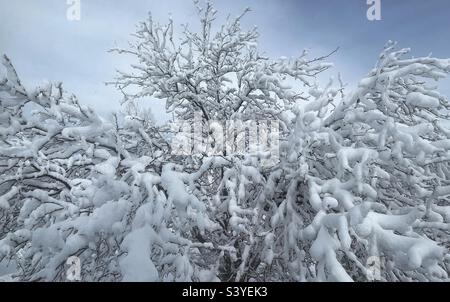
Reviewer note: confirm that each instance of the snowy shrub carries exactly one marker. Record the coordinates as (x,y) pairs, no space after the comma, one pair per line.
(360,176)
(368,179)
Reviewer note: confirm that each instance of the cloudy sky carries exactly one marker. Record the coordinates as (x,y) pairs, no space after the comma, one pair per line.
(44,45)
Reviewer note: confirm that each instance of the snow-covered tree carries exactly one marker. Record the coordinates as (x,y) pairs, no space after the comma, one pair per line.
(74,184)
(219,73)
(360,178)
(368,179)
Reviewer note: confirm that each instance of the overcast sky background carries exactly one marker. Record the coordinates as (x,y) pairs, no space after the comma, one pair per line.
(44,45)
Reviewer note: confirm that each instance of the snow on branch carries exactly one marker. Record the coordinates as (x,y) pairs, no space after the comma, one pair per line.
(360,176)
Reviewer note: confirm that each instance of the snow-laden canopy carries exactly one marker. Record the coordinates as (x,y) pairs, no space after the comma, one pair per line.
(360,178)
